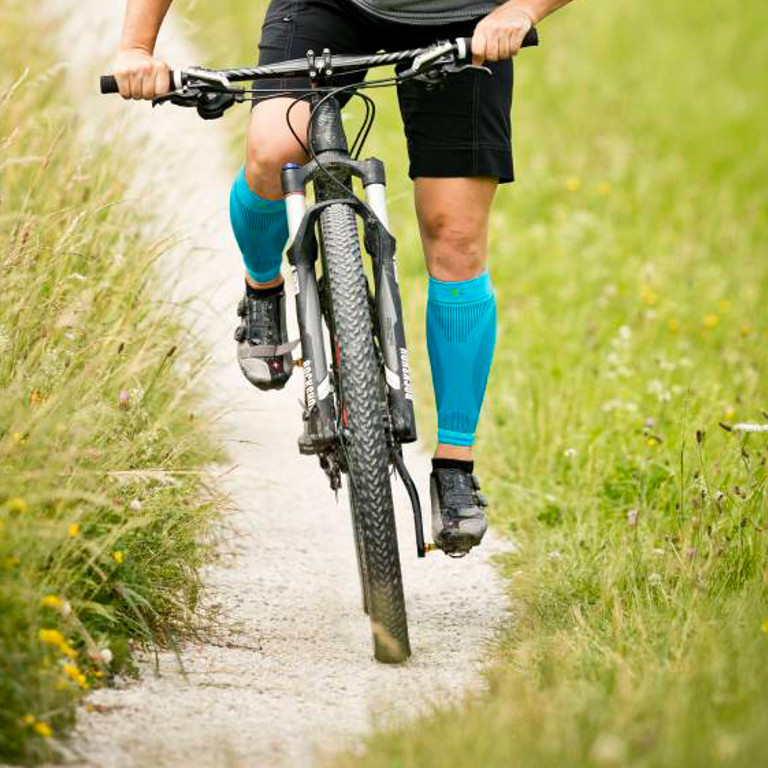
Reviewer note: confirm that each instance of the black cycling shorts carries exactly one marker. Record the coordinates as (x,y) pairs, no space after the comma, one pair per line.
(462,130)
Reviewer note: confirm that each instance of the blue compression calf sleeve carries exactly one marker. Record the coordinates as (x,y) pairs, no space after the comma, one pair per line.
(461,335)
(261,230)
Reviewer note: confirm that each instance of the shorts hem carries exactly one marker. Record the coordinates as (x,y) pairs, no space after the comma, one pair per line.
(475,161)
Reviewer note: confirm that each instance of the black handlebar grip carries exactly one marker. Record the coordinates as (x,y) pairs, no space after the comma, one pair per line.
(530,40)
(108,83)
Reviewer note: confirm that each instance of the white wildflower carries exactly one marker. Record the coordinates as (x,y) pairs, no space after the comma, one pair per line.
(747,427)
(608,749)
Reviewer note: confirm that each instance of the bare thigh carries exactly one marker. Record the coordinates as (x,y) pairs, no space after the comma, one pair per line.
(270,144)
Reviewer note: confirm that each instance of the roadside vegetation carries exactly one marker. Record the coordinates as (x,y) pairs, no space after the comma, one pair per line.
(630,264)
(104,509)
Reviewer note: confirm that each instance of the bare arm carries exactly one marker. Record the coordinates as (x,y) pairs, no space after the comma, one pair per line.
(500,34)
(143,19)
(139,75)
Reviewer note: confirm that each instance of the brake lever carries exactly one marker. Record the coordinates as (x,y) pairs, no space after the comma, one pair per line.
(209,105)
(435,77)
(454,69)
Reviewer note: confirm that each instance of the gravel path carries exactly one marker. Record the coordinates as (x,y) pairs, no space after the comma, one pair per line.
(289,672)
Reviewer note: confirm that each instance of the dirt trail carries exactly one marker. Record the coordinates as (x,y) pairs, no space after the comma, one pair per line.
(290,672)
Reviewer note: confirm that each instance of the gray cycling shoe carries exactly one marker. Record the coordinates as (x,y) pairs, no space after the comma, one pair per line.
(458,510)
(263,349)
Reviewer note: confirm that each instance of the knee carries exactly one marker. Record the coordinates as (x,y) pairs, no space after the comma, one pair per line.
(265,157)
(454,244)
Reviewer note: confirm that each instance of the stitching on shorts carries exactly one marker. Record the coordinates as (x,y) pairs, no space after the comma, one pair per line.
(291,28)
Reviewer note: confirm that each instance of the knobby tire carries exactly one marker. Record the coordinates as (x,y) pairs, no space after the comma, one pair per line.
(364,436)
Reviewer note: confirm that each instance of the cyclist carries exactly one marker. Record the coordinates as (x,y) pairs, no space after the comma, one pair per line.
(459,146)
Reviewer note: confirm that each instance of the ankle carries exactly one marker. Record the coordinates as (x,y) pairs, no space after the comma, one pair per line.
(251,283)
(458,452)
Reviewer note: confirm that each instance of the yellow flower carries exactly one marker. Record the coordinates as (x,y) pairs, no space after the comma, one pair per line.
(730,412)
(746,329)
(604,187)
(724,306)
(18,438)
(16,504)
(73,529)
(710,321)
(36,397)
(648,296)
(68,650)
(765,626)
(44,730)
(28,719)
(119,556)
(652,441)
(573,184)
(71,671)
(52,601)
(51,637)
(673,326)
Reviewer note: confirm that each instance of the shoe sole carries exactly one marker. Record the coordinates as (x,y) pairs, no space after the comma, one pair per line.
(457,545)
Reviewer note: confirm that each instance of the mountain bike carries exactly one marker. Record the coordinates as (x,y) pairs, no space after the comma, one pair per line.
(358,399)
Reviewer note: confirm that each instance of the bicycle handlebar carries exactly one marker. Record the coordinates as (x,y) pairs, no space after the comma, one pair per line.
(461,48)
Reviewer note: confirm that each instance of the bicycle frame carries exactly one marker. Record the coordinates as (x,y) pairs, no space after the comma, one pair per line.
(331,169)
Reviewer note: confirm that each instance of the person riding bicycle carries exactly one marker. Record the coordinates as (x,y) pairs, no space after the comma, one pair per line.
(459,147)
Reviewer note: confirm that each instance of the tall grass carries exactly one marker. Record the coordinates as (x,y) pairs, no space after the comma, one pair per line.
(104,509)
(630,264)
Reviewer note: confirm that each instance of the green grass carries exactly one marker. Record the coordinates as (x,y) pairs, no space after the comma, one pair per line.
(629,260)
(104,508)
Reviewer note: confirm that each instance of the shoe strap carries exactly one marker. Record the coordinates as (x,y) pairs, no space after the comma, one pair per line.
(272,350)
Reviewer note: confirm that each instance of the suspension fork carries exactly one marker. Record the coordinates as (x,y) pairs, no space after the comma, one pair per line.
(331,175)
(381,245)
(319,412)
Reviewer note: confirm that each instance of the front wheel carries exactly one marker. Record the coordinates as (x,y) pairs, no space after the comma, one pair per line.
(363,435)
